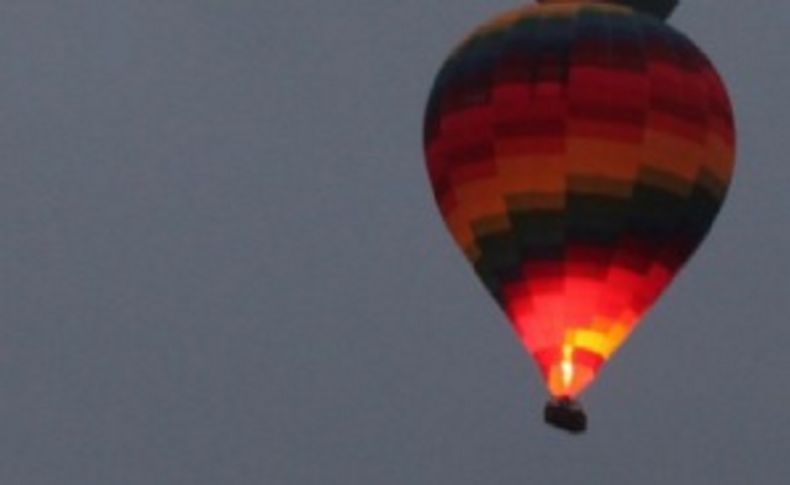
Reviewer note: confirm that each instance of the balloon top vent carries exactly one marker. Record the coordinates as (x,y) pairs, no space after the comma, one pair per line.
(658,8)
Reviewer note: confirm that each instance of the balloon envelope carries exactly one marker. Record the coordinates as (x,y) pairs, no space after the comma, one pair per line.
(578,153)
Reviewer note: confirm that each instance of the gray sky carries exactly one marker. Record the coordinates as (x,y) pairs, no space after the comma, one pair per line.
(220,263)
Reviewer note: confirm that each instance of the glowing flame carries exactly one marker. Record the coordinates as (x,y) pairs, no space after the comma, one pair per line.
(567,365)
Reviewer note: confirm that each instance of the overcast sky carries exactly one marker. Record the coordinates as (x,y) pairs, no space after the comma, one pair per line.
(220,263)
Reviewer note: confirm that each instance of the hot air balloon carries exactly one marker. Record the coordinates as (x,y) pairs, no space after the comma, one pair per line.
(578,152)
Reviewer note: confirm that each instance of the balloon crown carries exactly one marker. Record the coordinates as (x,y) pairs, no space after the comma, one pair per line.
(658,8)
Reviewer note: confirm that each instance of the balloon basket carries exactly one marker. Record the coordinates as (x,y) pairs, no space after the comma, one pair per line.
(566,414)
